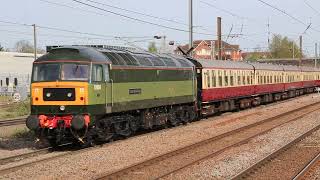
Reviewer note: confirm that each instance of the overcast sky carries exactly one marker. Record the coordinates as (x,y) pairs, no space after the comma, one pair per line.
(248,17)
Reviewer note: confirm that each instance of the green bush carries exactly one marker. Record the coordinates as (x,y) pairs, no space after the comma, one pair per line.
(20,109)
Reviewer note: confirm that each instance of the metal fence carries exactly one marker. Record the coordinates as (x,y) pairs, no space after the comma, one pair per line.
(15,84)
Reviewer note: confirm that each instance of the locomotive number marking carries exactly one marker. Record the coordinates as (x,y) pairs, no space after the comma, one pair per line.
(97,87)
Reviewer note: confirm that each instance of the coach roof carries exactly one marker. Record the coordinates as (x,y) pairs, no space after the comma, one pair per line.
(220,64)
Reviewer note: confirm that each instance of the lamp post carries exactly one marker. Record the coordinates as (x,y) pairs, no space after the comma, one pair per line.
(163,48)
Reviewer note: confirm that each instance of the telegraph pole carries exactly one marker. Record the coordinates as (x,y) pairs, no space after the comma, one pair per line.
(190,25)
(293,50)
(300,57)
(35,41)
(219,38)
(316,55)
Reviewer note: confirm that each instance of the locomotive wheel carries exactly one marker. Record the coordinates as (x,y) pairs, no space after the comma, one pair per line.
(123,128)
(104,131)
(173,118)
(134,124)
(53,142)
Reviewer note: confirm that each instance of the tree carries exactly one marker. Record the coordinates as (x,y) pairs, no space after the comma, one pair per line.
(1,48)
(152,47)
(256,55)
(24,46)
(283,47)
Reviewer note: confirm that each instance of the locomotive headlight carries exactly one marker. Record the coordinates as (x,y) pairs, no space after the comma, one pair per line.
(62,108)
(48,95)
(69,95)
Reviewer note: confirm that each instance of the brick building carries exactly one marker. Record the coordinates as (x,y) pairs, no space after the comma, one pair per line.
(207,49)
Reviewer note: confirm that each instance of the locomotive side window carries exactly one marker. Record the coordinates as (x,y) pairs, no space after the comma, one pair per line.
(97,73)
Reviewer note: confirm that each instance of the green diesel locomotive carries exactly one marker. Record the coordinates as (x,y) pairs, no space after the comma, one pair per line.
(95,94)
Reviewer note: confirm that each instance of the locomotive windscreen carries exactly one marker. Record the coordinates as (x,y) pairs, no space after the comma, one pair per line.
(60,72)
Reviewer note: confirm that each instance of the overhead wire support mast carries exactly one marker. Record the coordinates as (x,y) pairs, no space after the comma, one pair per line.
(190,26)
(35,41)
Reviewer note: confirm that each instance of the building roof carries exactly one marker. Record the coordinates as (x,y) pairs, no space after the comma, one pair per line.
(17,63)
(196,43)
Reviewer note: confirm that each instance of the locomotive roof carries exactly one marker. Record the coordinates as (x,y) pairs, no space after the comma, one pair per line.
(74,53)
(117,57)
(220,64)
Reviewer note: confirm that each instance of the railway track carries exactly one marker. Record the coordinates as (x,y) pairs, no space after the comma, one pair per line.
(36,153)
(169,163)
(12,122)
(273,160)
(21,157)
(309,168)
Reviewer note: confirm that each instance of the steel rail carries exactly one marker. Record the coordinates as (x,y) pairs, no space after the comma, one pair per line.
(21,157)
(12,122)
(308,167)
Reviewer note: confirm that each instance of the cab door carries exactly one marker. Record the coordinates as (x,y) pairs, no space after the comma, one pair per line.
(97,93)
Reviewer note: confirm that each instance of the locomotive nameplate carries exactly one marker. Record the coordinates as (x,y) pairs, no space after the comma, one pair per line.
(135,91)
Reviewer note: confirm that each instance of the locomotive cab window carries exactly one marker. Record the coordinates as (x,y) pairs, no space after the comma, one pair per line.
(62,71)
(74,72)
(46,72)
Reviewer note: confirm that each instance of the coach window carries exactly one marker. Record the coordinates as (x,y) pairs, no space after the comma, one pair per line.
(239,78)
(252,78)
(220,78)
(204,80)
(208,79)
(214,82)
(243,78)
(231,78)
(226,78)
